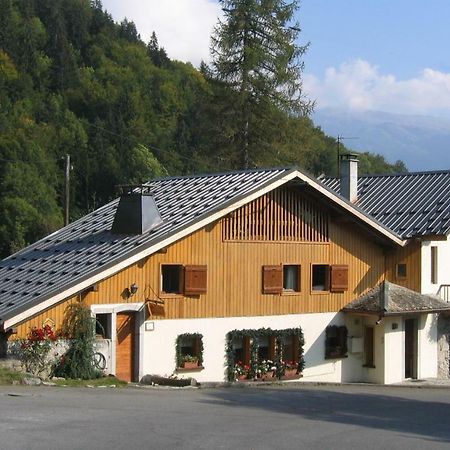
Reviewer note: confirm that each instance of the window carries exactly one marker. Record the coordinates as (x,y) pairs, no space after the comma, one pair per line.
(190,280)
(434,264)
(291,278)
(320,277)
(103,325)
(368,347)
(189,350)
(266,348)
(279,279)
(290,350)
(171,278)
(401,270)
(336,342)
(241,350)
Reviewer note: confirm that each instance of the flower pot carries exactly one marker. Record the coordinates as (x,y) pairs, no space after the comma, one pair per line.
(290,374)
(268,376)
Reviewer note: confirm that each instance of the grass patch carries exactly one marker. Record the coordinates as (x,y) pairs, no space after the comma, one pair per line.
(104,381)
(8,376)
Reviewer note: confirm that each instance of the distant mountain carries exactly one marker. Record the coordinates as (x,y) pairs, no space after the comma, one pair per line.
(421,142)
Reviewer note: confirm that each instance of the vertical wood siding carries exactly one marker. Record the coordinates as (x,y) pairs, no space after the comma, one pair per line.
(411,256)
(234,273)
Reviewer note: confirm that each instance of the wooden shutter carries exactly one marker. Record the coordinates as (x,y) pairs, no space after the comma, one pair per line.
(272,279)
(195,280)
(338,278)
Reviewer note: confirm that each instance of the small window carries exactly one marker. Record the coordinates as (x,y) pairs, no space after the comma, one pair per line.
(279,279)
(189,351)
(401,270)
(336,342)
(434,265)
(368,347)
(103,325)
(320,277)
(291,278)
(241,350)
(171,278)
(266,348)
(290,350)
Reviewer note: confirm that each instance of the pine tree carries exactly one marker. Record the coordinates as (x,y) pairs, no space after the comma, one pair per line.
(254,52)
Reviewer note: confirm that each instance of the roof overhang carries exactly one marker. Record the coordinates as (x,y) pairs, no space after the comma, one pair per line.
(43,303)
(382,314)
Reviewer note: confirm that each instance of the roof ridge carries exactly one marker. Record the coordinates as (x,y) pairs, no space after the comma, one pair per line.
(222,173)
(398,174)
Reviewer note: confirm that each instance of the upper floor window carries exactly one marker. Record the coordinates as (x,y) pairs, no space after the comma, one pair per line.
(332,278)
(178,279)
(320,280)
(172,277)
(434,264)
(291,278)
(401,271)
(281,278)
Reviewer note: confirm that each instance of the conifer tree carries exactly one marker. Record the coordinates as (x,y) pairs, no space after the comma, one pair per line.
(255,53)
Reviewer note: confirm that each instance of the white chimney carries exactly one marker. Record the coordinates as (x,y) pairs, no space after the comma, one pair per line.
(349,176)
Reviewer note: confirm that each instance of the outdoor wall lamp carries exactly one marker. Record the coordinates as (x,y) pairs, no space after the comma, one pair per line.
(133,289)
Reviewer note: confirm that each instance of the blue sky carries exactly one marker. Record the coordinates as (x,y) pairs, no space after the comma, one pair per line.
(401,37)
(364,55)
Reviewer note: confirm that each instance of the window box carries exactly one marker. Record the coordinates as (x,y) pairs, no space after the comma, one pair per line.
(190,364)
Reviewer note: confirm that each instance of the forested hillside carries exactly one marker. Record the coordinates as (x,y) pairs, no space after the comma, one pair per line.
(74,82)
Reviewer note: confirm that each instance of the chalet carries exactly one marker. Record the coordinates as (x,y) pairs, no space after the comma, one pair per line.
(225,270)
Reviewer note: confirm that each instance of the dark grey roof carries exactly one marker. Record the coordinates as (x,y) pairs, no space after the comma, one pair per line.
(87,247)
(410,204)
(390,299)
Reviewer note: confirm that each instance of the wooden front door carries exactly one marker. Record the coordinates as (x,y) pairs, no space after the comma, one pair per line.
(125,346)
(411,348)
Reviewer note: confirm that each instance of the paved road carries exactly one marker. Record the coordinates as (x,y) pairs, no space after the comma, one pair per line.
(305,417)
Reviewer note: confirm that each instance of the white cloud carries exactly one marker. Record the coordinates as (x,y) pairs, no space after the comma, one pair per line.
(183,27)
(358,85)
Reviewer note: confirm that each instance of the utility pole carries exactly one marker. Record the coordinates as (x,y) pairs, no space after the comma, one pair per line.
(67,196)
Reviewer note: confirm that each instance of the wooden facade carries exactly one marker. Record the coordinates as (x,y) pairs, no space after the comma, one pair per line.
(231,253)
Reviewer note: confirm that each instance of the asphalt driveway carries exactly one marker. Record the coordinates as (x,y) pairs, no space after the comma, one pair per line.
(301,417)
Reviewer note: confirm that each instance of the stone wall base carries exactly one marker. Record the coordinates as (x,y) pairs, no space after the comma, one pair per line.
(444,347)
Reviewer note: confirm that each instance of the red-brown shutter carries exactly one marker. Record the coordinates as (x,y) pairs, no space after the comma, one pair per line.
(339,278)
(195,280)
(272,279)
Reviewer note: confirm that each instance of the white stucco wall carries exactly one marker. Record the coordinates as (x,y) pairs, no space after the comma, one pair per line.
(394,355)
(158,354)
(155,345)
(427,346)
(427,287)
